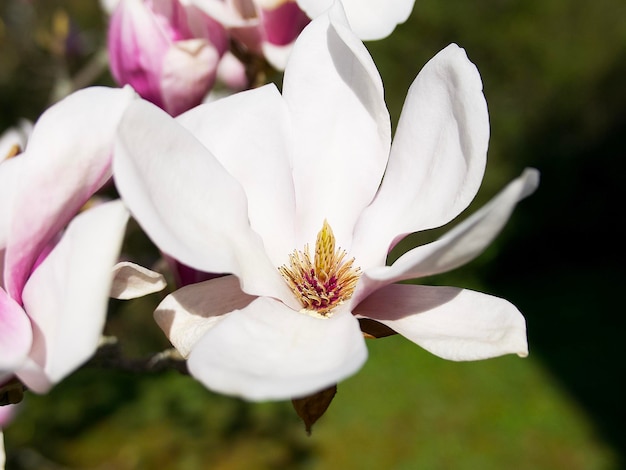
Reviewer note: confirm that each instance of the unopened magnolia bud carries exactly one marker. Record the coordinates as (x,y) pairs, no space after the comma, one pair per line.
(168,52)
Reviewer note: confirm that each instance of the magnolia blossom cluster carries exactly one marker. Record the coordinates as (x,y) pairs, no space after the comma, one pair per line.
(172,52)
(288,201)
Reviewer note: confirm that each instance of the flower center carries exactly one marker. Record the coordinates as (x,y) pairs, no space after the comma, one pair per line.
(325,282)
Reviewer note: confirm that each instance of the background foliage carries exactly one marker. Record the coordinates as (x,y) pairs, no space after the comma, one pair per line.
(553,77)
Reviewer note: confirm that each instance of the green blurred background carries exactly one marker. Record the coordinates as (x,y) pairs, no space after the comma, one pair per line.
(553,74)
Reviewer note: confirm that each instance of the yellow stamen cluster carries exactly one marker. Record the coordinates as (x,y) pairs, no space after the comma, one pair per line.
(325,282)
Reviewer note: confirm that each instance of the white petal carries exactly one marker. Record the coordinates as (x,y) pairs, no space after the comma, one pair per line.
(370,19)
(277,55)
(9,180)
(250,134)
(66,297)
(455,324)
(341,127)
(131,281)
(437,159)
(269,352)
(376,19)
(457,247)
(188,73)
(232,72)
(188,204)
(185,315)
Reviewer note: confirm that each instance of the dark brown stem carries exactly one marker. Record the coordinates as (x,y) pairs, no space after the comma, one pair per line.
(108,356)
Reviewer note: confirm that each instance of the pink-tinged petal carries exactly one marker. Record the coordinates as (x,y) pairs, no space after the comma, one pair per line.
(437,159)
(7,413)
(249,134)
(185,315)
(282,23)
(370,19)
(136,46)
(457,247)
(249,35)
(67,295)
(267,351)
(68,158)
(232,72)
(2,454)
(341,127)
(202,25)
(455,324)
(131,280)
(185,200)
(188,73)
(15,334)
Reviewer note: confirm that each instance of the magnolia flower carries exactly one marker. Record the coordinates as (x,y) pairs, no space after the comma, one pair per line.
(369,19)
(264,27)
(284,192)
(54,277)
(169,52)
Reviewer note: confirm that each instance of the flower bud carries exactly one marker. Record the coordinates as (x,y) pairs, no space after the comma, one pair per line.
(167,51)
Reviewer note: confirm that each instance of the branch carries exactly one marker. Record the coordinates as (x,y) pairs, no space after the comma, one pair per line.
(108,356)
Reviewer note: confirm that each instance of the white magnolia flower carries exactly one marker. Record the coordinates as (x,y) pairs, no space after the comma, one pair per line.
(284,192)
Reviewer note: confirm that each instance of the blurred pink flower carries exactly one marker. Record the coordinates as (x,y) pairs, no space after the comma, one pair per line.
(56,266)
(300,197)
(168,51)
(264,27)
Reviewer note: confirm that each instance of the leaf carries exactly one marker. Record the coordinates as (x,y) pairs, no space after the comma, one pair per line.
(312,407)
